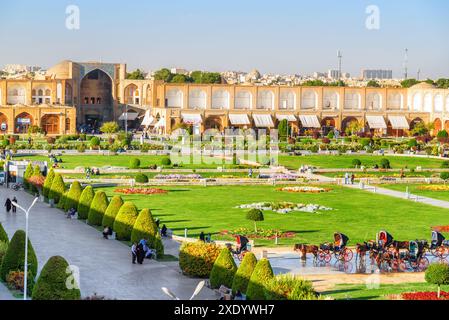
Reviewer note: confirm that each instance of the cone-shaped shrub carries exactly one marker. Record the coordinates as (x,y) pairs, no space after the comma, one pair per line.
(197,259)
(15,256)
(36,172)
(223,270)
(259,279)
(3,235)
(84,204)
(112,210)
(28,173)
(53,280)
(57,188)
(98,208)
(48,182)
(62,200)
(124,221)
(73,196)
(145,228)
(244,272)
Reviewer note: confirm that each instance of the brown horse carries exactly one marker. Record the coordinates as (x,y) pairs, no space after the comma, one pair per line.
(306,248)
(398,245)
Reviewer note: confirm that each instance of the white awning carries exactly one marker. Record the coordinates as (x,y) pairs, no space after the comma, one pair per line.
(309,121)
(398,122)
(263,120)
(148,119)
(288,117)
(376,122)
(189,118)
(131,116)
(160,123)
(239,119)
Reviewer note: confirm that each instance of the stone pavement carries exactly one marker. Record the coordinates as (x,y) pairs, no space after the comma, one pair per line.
(104,266)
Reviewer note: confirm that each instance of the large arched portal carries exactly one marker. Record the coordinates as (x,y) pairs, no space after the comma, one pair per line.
(50,123)
(96,98)
(3,123)
(350,125)
(22,122)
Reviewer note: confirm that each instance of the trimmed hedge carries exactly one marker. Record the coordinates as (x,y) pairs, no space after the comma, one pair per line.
(3,235)
(244,272)
(145,228)
(223,271)
(51,284)
(84,204)
(97,208)
(57,188)
(134,163)
(111,211)
(73,196)
(166,161)
(15,256)
(62,201)
(197,259)
(28,173)
(124,221)
(261,275)
(141,178)
(289,287)
(48,182)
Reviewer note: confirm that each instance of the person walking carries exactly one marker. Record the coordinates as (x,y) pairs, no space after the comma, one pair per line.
(346,178)
(202,236)
(14,208)
(352,178)
(8,205)
(140,252)
(134,252)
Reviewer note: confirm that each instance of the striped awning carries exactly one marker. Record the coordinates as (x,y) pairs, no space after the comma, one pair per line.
(130,117)
(263,120)
(288,117)
(148,119)
(376,122)
(399,122)
(309,121)
(239,119)
(192,118)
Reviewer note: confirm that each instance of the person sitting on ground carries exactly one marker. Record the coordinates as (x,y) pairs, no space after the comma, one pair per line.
(107,231)
(71,213)
(164,231)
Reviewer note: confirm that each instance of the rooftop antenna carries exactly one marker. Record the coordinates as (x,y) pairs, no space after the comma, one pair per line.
(339,56)
(419,72)
(406,64)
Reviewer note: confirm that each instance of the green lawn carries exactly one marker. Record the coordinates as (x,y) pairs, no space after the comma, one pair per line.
(153,174)
(361,292)
(345,161)
(378,174)
(414,189)
(357,213)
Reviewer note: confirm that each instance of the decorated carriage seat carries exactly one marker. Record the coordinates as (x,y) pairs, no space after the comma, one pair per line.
(437,239)
(340,241)
(385,239)
(325,246)
(413,249)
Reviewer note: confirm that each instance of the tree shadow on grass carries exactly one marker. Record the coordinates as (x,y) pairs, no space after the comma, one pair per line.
(190,228)
(174,221)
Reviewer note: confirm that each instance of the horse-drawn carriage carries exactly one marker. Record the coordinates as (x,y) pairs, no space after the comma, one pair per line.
(415,256)
(439,246)
(337,248)
(241,249)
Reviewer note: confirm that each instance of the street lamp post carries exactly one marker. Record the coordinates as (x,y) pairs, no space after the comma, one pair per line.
(126,119)
(25,276)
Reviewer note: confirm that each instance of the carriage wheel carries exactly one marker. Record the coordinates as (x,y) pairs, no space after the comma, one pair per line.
(347,255)
(441,252)
(324,256)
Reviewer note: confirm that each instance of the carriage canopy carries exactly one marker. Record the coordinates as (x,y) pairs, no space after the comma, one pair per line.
(340,239)
(385,237)
(243,241)
(437,238)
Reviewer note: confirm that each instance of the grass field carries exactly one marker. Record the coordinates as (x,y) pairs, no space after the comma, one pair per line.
(130,175)
(357,213)
(345,161)
(369,174)
(414,189)
(361,292)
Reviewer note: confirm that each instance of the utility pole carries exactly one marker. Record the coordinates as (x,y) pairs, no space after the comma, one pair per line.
(419,72)
(339,56)
(406,64)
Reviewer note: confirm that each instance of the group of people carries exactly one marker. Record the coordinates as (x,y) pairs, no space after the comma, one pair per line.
(349,178)
(9,205)
(93,171)
(140,251)
(205,238)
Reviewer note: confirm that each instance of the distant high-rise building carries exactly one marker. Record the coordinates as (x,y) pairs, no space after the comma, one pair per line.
(369,74)
(334,74)
(317,75)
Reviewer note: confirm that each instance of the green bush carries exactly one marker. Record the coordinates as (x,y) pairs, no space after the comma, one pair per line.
(196,259)
(48,182)
(244,272)
(97,208)
(444,176)
(57,188)
(124,221)
(166,161)
(442,134)
(356,163)
(62,201)
(134,163)
(255,215)
(111,211)
(14,257)
(94,142)
(262,274)
(52,282)
(331,134)
(3,248)
(223,270)
(145,228)
(412,143)
(289,287)
(385,163)
(365,142)
(73,196)
(445,165)
(27,175)
(437,273)
(141,178)
(84,204)
(3,234)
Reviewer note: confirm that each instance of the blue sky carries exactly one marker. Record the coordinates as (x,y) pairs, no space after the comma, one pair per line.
(282,36)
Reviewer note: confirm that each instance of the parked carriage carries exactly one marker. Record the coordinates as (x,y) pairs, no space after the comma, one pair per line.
(384,239)
(416,255)
(338,248)
(439,246)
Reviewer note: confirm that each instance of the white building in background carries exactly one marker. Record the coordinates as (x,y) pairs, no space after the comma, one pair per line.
(179,71)
(371,74)
(333,74)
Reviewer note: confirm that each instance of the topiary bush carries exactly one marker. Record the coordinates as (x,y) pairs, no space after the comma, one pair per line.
(261,275)
(48,182)
(356,163)
(3,234)
(244,272)
(145,228)
(255,215)
(97,208)
(52,282)
(84,204)
(385,163)
(289,287)
(14,257)
(3,249)
(134,163)
(73,196)
(444,176)
(141,178)
(196,259)
(111,211)
(94,142)
(437,273)
(124,221)
(166,161)
(28,173)
(57,188)
(223,270)
(62,200)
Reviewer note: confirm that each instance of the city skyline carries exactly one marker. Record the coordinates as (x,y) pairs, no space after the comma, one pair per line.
(285,37)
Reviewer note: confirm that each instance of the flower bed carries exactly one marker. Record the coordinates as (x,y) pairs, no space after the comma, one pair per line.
(441,228)
(178,176)
(434,187)
(285,207)
(147,191)
(305,189)
(425,296)
(260,234)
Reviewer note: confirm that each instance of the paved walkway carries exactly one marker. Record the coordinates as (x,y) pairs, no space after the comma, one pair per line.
(104,265)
